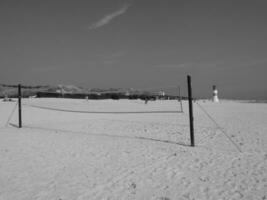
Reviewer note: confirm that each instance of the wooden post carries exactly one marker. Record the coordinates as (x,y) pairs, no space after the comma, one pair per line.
(19,102)
(191,119)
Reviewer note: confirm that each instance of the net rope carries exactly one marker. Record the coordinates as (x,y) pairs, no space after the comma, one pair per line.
(11,115)
(219,127)
(103,112)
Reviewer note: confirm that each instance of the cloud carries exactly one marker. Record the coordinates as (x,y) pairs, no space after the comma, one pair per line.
(108,18)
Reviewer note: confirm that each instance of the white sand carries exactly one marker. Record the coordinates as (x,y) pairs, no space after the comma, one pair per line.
(63,155)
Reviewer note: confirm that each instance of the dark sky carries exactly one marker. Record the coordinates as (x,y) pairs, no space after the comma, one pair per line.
(138,43)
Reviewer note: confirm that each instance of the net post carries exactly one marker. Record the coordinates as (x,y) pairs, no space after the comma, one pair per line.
(19,107)
(191,119)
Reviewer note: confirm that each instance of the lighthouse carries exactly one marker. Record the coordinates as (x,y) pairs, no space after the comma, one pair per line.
(215,94)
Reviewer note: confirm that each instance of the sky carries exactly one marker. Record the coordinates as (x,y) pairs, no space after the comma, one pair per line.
(137,44)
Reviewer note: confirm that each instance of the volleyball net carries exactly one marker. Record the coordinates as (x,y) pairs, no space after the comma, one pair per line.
(148,115)
(160,120)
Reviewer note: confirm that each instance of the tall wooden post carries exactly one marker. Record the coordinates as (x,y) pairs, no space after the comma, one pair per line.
(191,119)
(19,102)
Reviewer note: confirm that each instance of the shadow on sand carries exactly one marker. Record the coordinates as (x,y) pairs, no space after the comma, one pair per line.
(105,135)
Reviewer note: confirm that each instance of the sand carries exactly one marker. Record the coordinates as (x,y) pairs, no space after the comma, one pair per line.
(70,155)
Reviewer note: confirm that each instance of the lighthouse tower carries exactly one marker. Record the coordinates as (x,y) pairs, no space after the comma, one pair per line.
(215,94)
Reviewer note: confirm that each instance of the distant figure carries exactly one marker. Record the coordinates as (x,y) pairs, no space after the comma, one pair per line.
(146,100)
(215,94)
(86,97)
(6,98)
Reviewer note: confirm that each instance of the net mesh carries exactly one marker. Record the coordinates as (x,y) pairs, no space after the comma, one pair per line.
(105,106)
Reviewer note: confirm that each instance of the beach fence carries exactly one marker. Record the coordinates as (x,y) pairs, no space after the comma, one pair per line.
(46,116)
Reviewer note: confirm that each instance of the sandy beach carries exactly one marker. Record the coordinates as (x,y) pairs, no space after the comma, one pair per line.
(69,152)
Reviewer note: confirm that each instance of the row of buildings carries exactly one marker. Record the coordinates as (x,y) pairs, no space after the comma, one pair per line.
(108,95)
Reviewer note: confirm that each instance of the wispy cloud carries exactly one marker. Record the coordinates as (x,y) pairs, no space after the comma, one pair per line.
(108,18)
